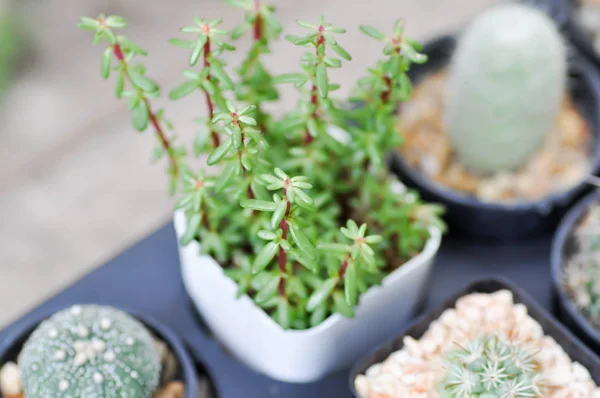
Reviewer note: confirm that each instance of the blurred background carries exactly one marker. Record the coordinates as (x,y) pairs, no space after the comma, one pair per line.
(76,184)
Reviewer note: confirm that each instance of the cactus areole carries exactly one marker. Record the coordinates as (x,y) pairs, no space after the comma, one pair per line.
(507,79)
(90,351)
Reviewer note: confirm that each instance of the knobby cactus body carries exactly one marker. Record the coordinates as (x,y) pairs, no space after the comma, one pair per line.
(488,368)
(90,351)
(507,80)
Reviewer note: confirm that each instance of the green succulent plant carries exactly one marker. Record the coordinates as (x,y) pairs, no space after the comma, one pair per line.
(289,190)
(507,80)
(581,274)
(490,368)
(90,351)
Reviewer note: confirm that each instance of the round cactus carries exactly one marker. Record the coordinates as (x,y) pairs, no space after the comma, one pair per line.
(507,80)
(489,367)
(90,351)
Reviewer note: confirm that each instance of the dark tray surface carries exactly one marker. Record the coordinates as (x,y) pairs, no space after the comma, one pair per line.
(146,278)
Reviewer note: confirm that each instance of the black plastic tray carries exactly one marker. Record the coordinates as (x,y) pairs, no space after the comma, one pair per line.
(146,279)
(573,347)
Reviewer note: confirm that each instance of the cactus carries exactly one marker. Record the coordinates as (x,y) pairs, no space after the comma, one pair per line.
(489,367)
(90,351)
(506,83)
(581,275)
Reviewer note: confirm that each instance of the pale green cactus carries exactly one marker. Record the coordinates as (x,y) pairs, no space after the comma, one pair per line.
(490,368)
(90,351)
(507,80)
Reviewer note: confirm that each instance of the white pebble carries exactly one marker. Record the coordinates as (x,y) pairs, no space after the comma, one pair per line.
(10,379)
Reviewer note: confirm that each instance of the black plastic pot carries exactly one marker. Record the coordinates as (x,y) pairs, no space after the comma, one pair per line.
(573,347)
(576,34)
(11,346)
(466,215)
(563,247)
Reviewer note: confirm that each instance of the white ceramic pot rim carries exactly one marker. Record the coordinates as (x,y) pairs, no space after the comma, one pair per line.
(429,250)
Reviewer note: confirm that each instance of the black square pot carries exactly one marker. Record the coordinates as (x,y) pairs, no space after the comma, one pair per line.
(563,247)
(473,218)
(573,347)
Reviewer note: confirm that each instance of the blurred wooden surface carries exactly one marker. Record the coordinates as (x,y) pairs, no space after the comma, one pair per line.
(76,186)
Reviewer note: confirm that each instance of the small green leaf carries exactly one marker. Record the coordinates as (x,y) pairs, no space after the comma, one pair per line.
(302,241)
(197,50)
(120,85)
(268,290)
(87,23)
(332,62)
(321,295)
(219,72)
(373,239)
(225,177)
(131,46)
(219,153)
(247,120)
(305,24)
(322,83)
(340,306)
(260,205)
(318,315)
(264,257)
(278,214)
(116,22)
(371,31)
(193,223)
(339,50)
(110,36)
(182,90)
(283,313)
(313,129)
(334,247)
(142,81)
(182,43)
(306,262)
(350,287)
(239,31)
(140,116)
(267,235)
(413,55)
(289,78)
(106,63)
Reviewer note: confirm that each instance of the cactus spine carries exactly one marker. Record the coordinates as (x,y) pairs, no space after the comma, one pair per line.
(507,79)
(90,351)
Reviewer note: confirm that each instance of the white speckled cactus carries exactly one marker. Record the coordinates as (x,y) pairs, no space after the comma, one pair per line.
(90,351)
(507,80)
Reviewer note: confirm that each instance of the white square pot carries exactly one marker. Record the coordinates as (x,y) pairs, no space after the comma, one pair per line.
(301,355)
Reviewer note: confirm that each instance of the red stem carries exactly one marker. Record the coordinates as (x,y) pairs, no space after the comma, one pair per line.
(209,103)
(344,267)
(258,23)
(164,141)
(282,254)
(314,98)
(385,96)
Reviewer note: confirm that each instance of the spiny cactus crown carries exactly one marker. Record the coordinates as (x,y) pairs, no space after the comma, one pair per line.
(90,351)
(581,275)
(490,368)
(507,79)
